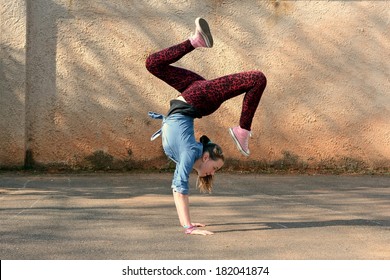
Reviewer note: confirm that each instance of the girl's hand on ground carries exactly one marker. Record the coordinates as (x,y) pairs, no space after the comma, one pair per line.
(194,229)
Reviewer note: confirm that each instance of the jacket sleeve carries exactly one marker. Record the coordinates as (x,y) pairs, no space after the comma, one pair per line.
(156,116)
(182,172)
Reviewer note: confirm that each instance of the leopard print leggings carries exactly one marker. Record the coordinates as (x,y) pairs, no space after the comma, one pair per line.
(208,95)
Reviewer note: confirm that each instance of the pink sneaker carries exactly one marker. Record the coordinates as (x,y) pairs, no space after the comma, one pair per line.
(202,36)
(241,137)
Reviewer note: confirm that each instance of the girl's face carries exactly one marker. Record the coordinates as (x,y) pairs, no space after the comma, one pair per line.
(209,166)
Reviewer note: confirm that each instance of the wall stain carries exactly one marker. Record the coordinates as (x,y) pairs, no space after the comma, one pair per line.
(100,160)
(29,162)
(280,9)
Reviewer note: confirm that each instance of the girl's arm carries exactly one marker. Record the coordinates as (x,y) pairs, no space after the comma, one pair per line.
(183,211)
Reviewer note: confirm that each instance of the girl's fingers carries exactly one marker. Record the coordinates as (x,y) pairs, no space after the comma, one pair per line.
(198,225)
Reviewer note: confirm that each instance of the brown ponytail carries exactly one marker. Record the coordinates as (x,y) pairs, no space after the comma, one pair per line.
(205,184)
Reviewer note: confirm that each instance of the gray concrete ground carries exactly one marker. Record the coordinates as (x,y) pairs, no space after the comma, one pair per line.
(132,216)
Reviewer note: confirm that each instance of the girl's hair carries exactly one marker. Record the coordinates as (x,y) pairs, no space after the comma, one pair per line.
(205,184)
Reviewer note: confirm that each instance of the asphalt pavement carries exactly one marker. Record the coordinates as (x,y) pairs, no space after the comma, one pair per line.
(132,216)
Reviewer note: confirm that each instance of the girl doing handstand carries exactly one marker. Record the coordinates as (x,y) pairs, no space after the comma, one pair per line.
(199,97)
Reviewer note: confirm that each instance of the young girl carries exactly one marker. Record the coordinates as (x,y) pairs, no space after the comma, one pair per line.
(199,97)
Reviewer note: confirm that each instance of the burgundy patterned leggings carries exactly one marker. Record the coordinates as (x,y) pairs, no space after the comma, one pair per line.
(208,95)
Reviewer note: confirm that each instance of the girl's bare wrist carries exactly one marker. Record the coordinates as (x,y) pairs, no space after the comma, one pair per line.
(189,229)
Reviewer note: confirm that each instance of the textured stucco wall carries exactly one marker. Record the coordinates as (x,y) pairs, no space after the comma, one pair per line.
(87,91)
(12,82)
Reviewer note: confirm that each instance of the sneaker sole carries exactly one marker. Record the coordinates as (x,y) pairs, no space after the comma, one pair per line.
(238,143)
(204,29)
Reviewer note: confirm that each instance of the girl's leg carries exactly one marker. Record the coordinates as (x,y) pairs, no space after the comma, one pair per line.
(207,96)
(159,65)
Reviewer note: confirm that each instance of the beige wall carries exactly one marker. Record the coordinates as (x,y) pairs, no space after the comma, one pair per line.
(12,82)
(75,92)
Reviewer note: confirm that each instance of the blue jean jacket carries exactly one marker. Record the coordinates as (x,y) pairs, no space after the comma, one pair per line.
(179,144)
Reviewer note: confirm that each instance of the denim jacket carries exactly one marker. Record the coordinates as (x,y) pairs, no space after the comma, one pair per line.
(179,145)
